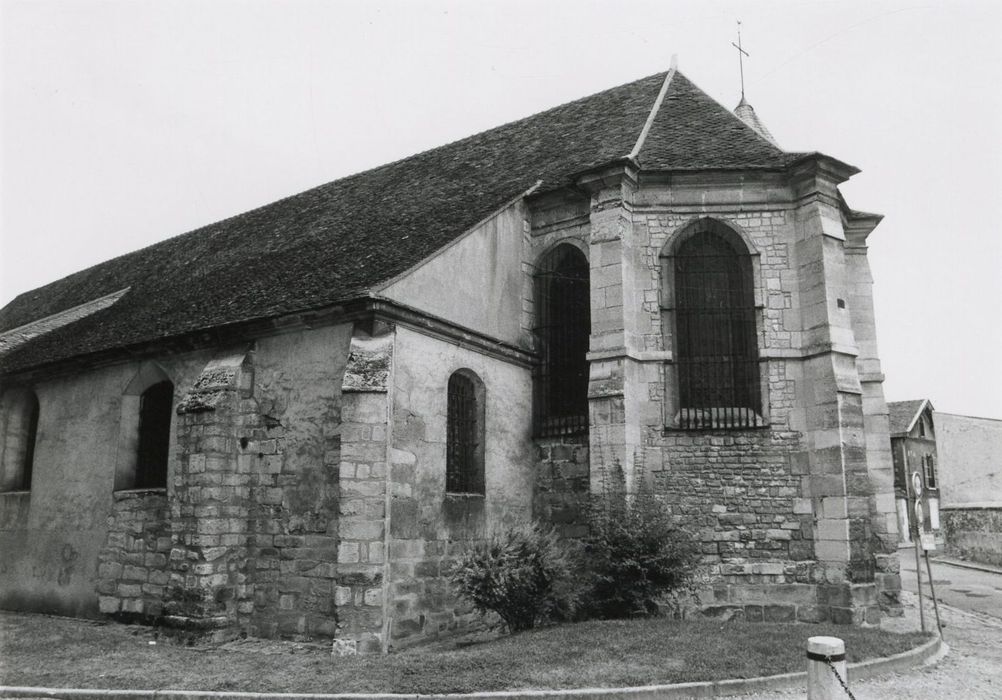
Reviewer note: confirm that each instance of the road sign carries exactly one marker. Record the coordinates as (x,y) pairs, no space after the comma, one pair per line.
(928,541)
(919,515)
(916,484)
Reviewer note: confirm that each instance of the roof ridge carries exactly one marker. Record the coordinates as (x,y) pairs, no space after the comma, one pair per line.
(658,101)
(468,137)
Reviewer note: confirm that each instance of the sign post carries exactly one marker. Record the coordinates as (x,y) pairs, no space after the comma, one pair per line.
(916,493)
(929,545)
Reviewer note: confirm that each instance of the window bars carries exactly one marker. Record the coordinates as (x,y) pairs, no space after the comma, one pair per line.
(462,463)
(563,325)
(717,352)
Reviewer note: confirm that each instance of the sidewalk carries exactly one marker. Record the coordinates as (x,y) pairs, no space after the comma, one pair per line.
(964,564)
(971,671)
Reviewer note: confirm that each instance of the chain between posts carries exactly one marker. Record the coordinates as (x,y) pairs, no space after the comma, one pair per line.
(845,687)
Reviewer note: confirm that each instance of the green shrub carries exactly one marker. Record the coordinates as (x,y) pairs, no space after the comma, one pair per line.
(637,556)
(523,574)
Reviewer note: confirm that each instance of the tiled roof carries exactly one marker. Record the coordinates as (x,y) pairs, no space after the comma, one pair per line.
(902,414)
(333,243)
(746,113)
(692,131)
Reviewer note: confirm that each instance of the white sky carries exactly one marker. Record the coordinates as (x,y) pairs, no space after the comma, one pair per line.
(124,123)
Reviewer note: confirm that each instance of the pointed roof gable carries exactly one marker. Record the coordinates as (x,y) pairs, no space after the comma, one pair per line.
(334,243)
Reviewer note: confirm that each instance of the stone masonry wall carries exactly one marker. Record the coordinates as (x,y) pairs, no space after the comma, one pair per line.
(741,489)
(208,592)
(973,533)
(132,565)
(289,445)
(562,484)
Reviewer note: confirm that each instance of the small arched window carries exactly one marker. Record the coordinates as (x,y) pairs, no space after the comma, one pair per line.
(154,436)
(716,348)
(464,456)
(19,438)
(563,327)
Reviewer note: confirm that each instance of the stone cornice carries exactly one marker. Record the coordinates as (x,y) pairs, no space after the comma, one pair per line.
(368,307)
(619,173)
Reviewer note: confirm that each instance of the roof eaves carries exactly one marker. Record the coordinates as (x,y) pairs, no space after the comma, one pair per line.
(921,409)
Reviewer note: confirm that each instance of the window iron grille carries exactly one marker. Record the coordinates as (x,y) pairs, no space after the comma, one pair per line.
(563,327)
(462,468)
(717,351)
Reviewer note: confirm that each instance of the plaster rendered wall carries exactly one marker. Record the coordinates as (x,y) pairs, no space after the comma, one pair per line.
(427,528)
(476,282)
(970,477)
(970,460)
(53,538)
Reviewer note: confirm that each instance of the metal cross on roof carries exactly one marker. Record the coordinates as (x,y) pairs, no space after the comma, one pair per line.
(741,61)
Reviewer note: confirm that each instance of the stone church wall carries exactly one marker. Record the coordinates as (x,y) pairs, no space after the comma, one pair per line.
(245,536)
(563,475)
(73,522)
(427,527)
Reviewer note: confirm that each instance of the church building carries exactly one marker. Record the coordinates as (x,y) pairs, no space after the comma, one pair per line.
(288,423)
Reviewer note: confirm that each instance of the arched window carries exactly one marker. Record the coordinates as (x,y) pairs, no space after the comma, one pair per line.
(19,438)
(144,438)
(464,455)
(716,348)
(154,435)
(563,326)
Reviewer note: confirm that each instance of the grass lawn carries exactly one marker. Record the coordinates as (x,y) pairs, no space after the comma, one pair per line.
(37,650)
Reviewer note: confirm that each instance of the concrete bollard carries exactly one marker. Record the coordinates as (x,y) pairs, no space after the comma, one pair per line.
(822,684)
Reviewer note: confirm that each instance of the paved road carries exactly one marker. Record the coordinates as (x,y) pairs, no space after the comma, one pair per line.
(967,589)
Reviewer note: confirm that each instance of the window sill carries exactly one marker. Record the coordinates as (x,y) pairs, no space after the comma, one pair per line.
(122,494)
(449,494)
(723,418)
(19,492)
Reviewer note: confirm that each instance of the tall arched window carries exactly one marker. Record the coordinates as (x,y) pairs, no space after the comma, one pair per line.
(563,326)
(154,435)
(464,455)
(20,434)
(716,348)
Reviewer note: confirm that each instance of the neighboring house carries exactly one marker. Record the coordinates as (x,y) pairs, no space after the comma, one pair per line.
(289,422)
(970,472)
(913,444)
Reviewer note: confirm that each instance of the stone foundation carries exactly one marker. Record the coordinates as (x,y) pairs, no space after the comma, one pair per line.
(562,484)
(845,604)
(132,568)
